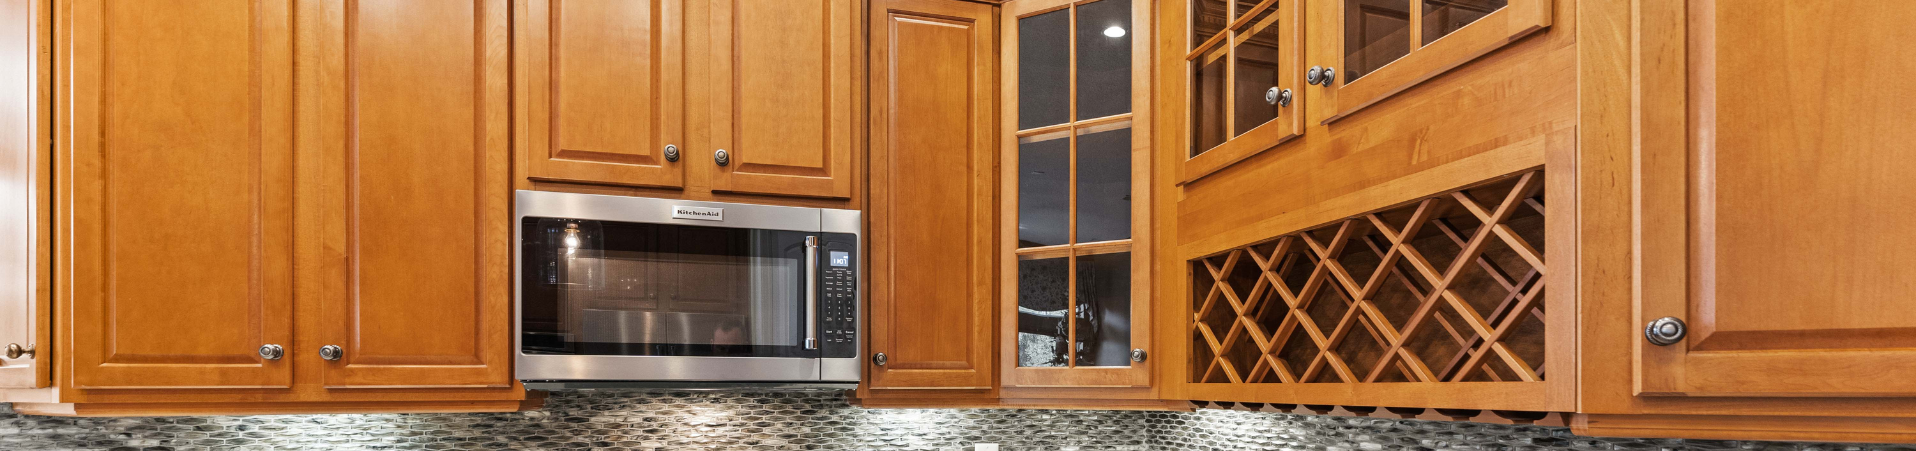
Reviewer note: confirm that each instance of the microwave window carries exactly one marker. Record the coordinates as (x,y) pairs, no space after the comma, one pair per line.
(615,288)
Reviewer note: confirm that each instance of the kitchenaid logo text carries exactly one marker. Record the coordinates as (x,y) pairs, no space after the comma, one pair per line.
(699,213)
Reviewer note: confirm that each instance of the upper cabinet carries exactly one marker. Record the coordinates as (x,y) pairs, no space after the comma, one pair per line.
(1245,82)
(692,99)
(1075,244)
(606,97)
(781,93)
(1255,69)
(25,170)
(933,216)
(258,219)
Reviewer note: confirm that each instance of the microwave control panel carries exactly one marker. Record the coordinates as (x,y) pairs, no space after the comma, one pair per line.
(838,301)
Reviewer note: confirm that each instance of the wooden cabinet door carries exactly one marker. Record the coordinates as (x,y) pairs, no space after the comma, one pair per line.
(416,278)
(932,222)
(174,165)
(781,96)
(24,175)
(604,90)
(1775,224)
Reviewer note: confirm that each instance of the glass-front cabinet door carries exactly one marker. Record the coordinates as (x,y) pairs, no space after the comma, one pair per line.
(1076,180)
(1244,83)
(1369,50)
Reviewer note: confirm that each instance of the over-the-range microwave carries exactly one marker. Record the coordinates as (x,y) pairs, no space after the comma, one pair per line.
(628,292)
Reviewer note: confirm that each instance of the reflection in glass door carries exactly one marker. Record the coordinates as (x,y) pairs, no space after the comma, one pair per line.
(1070,175)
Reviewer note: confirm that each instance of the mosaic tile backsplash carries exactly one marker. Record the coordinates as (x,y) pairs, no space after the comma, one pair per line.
(810,421)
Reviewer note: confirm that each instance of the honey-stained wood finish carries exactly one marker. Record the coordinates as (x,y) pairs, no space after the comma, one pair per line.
(174,164)
(1771,224)
(1508,111)
(933,226)
(417,288)
(1493,31)
(781,96)
(607,90)
(24,172)
(1285,27)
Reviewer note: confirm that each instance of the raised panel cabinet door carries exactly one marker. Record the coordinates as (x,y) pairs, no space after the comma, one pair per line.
(932,141)
(1775,226)
(23,209)
(417,290)
(604,81)
(174,165)
(781,96)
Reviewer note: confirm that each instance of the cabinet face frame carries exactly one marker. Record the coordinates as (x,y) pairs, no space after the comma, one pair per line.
(904,370)
(1289,122)
(1425,61)
(541,41)
(24,144)
(735,97)
(1138,374)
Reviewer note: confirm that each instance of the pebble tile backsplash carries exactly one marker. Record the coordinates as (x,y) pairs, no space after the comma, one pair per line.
(809,421)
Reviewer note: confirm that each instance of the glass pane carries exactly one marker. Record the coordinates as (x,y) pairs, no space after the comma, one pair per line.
(1257,73)
(1044,69)
(1244,6)
(1444,16)
(618,288)
(1043,291)
(1104,185)
(1208,18)
(1104,309)
(1104,58)
(1376,32)
(1044,192)
(1207,101)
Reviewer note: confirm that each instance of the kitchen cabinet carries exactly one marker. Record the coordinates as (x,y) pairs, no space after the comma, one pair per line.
(1762,229)
(1248,85)
(933,217)
(1075,134)
(212,260)
(605,96)
(782,93)
(731,101)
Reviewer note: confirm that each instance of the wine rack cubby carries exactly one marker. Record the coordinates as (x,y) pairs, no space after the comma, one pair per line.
(1444,289)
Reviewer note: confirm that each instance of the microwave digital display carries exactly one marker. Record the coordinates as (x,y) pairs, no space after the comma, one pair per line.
(841,259)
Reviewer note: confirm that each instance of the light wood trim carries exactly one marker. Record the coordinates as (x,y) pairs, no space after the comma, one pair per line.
(25,145)
(1528,396)
(1514,21)
(274,408)
(1802,428)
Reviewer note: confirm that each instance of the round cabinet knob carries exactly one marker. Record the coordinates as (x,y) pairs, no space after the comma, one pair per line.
(878,359)
(331,352)
(268,352)
(1279,97)
(1138,355)
(1330,76)
(721,157)
(1665,331)
(671,153)
(1314,75)
(14,351)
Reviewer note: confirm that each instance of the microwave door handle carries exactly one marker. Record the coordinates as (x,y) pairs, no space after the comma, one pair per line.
(811,292)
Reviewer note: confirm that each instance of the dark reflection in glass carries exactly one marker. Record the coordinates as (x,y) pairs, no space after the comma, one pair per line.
(1044,69)
(1441,17)
(1104,309)
(1208,18)
(1207,101)
(1257,73)
(1044,192)
(1376,32)
(1104,185)
(1043,292)
(1104,58)
(1244,6)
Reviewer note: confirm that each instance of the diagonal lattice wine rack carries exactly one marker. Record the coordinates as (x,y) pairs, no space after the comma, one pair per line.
(1444,289)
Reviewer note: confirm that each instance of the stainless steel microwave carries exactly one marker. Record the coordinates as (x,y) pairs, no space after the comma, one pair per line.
(619,291)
